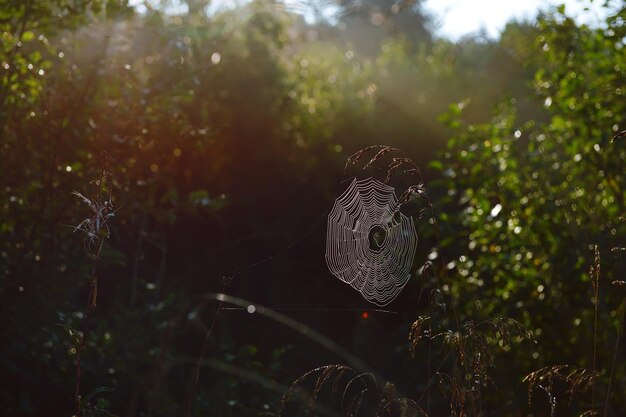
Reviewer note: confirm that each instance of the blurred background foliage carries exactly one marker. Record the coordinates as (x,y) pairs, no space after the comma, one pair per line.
(225,135)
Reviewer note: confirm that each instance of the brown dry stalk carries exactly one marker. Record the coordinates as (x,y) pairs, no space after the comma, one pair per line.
(577,379)
(387,400)
(594,274)
(96,231)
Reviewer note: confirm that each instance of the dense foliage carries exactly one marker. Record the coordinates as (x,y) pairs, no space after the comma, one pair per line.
(214,143)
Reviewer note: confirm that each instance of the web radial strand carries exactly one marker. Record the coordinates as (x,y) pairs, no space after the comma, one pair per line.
(379,273)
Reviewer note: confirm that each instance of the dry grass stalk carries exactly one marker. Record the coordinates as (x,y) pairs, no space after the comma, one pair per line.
(401,163)
(594,274)
(323,375)
(418,332)
(576,379)
(356,386)
(96,231)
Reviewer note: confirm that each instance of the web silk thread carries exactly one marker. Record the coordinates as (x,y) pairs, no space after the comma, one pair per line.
(379,273)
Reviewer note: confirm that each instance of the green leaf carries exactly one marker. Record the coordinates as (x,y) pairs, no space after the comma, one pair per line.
(436,165)
(28,36)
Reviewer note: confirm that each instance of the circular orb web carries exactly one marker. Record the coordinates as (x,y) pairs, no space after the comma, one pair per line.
(370,244)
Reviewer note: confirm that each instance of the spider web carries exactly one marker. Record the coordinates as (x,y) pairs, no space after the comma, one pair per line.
(378,271)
